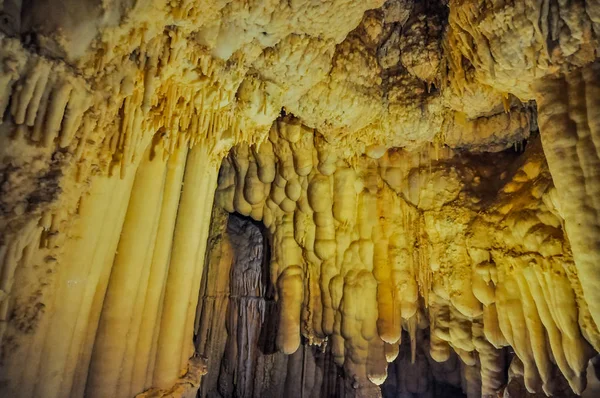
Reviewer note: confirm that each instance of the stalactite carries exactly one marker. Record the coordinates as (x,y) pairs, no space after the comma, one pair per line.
(152,312)
(487,298)
(128,283)
(567,114)
(183,281)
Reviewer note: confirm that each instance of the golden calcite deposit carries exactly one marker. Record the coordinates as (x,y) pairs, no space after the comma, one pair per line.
(299,198)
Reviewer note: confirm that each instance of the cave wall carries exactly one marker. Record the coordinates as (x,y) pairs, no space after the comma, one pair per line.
(472,245)
(132,263)
(372,139)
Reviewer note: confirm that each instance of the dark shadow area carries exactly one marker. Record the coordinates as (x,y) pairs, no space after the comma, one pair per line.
(425,377)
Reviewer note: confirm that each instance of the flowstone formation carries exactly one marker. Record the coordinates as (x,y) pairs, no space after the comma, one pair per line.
(469,246)
(299,198)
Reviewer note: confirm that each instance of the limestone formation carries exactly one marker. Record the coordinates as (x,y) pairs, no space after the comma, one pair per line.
(299,198)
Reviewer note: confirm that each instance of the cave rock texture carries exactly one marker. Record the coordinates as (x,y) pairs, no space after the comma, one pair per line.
(299,198)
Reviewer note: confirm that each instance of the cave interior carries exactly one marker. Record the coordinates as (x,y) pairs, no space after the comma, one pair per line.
(299,198)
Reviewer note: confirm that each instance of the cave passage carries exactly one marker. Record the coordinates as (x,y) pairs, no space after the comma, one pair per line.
(238,331)
(239,317)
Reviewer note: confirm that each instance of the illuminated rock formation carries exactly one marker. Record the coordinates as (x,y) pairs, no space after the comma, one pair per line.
(299,198)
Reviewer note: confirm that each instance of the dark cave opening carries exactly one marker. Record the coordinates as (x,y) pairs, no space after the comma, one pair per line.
(239,315)
(239,318)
